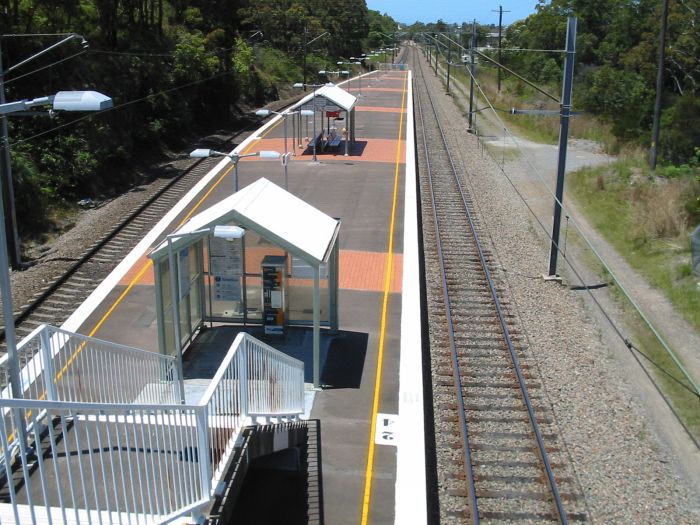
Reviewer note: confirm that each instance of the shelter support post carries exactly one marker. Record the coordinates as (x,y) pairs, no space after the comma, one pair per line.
(334,270)
(347,133)
(317,327)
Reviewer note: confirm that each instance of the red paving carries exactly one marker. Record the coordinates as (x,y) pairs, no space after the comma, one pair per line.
(373,150)
(364,271)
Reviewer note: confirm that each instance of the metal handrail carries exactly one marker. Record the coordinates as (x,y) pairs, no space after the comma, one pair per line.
(123,460)
(59,365)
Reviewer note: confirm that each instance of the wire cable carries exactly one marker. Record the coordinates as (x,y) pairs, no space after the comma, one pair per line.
(46,67)
(120,106)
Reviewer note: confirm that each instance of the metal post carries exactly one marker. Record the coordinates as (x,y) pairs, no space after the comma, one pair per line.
(306,30)
(175,305)
(313,101)
(563,138)
(471,79)
(285,132)
(500,33)
(436,56)
(653,153)
(316,328)
(235,173)
(10,218)
(449,60)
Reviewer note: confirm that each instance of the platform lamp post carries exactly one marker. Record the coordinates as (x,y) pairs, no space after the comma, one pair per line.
(306,45)
(235,158)
(284,115)
(300,85)
(5,166)
(220,231)
(65,101)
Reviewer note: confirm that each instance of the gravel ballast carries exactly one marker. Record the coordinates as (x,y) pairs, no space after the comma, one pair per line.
(624,471)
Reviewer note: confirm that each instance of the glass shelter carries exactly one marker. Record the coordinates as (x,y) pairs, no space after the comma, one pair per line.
(261,256)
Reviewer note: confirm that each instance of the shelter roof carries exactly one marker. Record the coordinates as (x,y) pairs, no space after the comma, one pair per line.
(271,211)
(334,94)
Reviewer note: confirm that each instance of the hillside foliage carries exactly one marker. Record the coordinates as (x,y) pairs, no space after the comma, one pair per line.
(174,68)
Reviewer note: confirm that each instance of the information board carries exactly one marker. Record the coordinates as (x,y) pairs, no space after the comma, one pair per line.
(226,268)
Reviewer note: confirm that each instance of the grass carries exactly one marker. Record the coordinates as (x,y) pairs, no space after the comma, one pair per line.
(543,129)
(644,219)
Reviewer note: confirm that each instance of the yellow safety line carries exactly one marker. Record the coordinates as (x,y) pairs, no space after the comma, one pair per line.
(185,219)
(139,275)
(382,328)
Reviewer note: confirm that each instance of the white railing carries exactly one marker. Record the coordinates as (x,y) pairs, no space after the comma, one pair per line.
(103,462)
(64,366)
(100,461)
(253,381)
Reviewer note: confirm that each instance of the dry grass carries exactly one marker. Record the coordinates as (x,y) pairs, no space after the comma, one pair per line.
(659,208)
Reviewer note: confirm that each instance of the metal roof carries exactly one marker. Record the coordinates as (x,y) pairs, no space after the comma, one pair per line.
(334,94)
(271,211)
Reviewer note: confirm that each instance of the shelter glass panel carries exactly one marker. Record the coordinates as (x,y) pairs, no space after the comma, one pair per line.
(166,301)
(223,282)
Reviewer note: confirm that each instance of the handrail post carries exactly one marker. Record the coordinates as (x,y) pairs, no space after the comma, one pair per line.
(205,470)
(243,377)
(48,368)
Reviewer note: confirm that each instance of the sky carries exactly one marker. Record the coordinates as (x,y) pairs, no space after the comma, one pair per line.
(409,11)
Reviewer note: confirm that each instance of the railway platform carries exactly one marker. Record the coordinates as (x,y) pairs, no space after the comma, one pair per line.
(370,401)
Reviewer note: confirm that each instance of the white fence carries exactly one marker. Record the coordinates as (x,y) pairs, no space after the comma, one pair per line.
(115,462)
(58,365)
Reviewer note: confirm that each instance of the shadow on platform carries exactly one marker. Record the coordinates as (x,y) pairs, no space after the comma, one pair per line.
(356,150)
(342,354)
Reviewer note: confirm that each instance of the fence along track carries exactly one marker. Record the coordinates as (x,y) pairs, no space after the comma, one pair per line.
(479,386)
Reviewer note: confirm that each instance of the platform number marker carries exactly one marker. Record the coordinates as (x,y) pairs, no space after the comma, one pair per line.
(386,430)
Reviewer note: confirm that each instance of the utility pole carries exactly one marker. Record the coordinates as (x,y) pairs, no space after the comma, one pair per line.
(500,33)
(472,68)
(306,32)
(11,232)
(449,60)
(565,115)
(436,54)
(655,130)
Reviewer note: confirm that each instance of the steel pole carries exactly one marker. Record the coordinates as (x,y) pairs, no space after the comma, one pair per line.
(8,195)
(655,131)
(313,101)
(567,90)
(235,173)
(175,305)
(471,78)
(449,60)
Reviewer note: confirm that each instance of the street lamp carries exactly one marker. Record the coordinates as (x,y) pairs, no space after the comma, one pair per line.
(284,115)
(234,157)
(220,231)
(306,44)
(5,166)
(300,85)
(64,100)
(359,76)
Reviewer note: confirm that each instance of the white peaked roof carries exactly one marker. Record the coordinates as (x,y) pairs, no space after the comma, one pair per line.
(274,213)
(334,94)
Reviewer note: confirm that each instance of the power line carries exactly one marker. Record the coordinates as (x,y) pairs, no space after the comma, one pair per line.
(46,67)
(120,106)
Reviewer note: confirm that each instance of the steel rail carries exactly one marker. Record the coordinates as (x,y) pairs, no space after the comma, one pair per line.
(471,489)
(501,318)
(24,313)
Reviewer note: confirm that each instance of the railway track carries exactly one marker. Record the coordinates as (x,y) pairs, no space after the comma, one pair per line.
(494,462)
(65,292)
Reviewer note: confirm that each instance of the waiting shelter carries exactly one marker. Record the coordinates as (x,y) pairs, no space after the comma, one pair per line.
(332,101)
(261,256)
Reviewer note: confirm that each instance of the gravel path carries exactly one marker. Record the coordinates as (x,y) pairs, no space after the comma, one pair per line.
(626,472)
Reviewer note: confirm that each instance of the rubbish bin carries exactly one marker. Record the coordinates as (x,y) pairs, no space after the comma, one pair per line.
(695,250)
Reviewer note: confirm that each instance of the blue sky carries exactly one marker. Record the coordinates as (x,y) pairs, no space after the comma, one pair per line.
(408,11)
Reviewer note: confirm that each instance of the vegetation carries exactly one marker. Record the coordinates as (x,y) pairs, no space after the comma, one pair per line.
(647,218)
(174,70)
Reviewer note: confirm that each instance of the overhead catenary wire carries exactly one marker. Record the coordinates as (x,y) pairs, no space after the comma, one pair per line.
(695,390)
(119,106)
